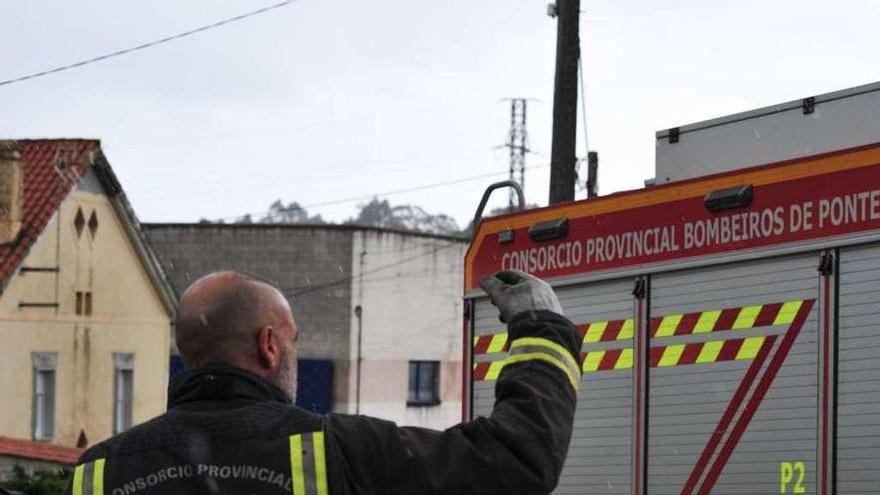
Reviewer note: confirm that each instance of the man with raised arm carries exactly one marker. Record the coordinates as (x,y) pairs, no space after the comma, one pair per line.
(232,427)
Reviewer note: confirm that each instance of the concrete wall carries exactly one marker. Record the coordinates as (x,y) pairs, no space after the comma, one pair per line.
(410,290)
(311,264)
(127,317)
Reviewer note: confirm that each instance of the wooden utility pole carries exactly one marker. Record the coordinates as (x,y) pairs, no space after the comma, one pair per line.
(565,94)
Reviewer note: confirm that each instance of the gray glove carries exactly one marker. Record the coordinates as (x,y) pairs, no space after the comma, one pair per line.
(514,292)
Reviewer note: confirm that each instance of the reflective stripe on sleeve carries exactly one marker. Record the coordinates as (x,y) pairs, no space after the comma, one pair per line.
(535,348)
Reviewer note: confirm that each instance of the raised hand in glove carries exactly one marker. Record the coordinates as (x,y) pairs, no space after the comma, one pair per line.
(514,292)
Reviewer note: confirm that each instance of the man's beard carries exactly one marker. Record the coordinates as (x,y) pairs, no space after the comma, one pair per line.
(286,377)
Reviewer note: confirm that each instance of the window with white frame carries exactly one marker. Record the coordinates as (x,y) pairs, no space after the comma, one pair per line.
(43,417)
(123,391)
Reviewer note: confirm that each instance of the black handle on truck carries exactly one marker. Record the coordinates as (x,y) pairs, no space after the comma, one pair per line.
(521,198)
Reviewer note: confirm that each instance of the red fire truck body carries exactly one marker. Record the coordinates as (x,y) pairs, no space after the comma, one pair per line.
(729,320)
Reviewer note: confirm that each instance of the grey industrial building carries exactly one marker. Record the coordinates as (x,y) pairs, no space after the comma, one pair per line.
(369,302)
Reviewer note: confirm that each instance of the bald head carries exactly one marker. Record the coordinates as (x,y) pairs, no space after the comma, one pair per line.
(235,319)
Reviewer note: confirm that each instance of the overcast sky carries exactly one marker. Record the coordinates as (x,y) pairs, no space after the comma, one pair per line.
(319,101)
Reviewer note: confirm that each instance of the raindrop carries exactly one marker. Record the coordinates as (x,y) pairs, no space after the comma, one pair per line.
(203,319)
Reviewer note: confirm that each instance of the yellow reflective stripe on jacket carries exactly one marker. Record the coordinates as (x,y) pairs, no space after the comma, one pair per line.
(308,464)
(540,342)
(536,348)
(98,479)
(78,479)
(494,370)
(540,356)
(320,463)
(296,465)
(88,478)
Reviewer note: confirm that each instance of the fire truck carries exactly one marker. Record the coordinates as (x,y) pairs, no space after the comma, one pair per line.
(729,311)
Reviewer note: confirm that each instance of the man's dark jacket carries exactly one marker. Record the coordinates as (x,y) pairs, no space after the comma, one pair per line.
(229,432)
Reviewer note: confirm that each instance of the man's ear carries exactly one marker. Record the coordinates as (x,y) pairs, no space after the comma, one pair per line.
(268,349)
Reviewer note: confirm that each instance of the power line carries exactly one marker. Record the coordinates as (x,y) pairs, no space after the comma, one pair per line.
(294,292)
(412,189)
(150,44)
(390,193)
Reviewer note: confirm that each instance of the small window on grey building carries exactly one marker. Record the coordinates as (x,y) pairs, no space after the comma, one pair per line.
(43,416)
(424,383)
(123,395)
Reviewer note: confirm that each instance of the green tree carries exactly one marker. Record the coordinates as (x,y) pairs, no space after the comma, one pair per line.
(40,483)
(290,213)
(494,212)
(378,213)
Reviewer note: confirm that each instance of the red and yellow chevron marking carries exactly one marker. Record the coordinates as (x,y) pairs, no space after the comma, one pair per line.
(491,343)
(600,331)
(488,370)
(607,331)
(724,319)
(715,320)
(716,351)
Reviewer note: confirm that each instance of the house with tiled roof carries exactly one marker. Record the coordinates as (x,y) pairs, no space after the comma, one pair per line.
(85,308)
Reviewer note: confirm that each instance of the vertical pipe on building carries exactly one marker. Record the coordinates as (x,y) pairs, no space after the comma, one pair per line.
(358,312)
(58,258)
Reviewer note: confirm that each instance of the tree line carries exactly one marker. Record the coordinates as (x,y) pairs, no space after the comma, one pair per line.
(375,213)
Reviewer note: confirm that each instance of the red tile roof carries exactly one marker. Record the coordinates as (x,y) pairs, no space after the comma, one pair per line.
(50,170)
(41,451)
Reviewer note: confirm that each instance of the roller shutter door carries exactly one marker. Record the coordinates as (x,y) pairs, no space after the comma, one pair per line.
(486,326)
(600,456)
(858,410)
(720,419)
